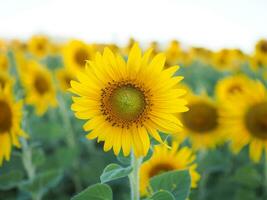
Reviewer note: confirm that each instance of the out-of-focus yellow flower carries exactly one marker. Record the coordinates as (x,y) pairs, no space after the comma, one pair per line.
(10,119)
(228,59)
(164,160)
(124,103)
(245,120)
(64,77)
(126,50)
(230,86)
(261,47)
(75,54)
(4,62)
(201,123)
(5,80)
(200,54)
(18,45)
(173,53)
(39,46)
(40,91)
(258,61)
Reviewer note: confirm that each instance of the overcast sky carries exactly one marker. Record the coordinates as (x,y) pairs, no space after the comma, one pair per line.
(210,23)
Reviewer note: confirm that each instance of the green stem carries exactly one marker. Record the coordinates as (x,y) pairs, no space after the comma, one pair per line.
(134,177)
(27,159)
(265,174)
(70,138)
(204,177)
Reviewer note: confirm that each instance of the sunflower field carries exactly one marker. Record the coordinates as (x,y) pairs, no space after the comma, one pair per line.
(139,121)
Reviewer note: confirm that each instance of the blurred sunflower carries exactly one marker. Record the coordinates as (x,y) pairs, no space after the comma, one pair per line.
(201,123)
(75,54)
(200,54)
(173,52)
(4,63)
(261,47)
(5,80)
(227,59)
(245,120)
(258,61)
(40,91)
(10,119)
(230,86)
(124,103)
(39,46)
(64,77)
(165,159)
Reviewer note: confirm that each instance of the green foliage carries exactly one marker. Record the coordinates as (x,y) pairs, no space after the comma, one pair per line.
(177,182)
(114,171)
(95,192)
(162,195)
(41,183)
(10,179)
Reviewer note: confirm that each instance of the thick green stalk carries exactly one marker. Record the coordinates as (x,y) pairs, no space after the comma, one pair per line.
(27,159)
(134,177)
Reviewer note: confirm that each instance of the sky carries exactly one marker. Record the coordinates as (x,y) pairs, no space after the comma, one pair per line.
(210,23)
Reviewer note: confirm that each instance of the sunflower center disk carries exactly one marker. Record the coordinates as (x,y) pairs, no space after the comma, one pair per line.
(127,103)
(2,83)
(41,84)
(160,168)
(5,117)
(200,118)
(256,120)
(81,56)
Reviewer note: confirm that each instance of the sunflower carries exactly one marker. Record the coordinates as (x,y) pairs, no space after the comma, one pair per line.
(201,122)
(173,53)
(165,159)
(64,77)
(261,47)
(10,119)
(245,120)
(4,63)
(124,103)
(258,61)
(40,91)
(230,86)
(5,80)
(75,54)
(39,46)
(200,54)
(228,59)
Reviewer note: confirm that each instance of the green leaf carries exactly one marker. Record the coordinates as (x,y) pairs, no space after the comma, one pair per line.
(95,192)
(162,195)
(248,176)
(10,179)
(114,171)
(42,182)
(177,182)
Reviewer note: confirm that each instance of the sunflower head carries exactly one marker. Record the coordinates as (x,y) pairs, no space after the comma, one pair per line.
(261,47)
(4,63)
(5,80)
(39,46)
(40,91)
(166,159)
(201,123)
(245,120)
(64,77)
(10,119)
(76,53)
(128,100)
(230,86)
